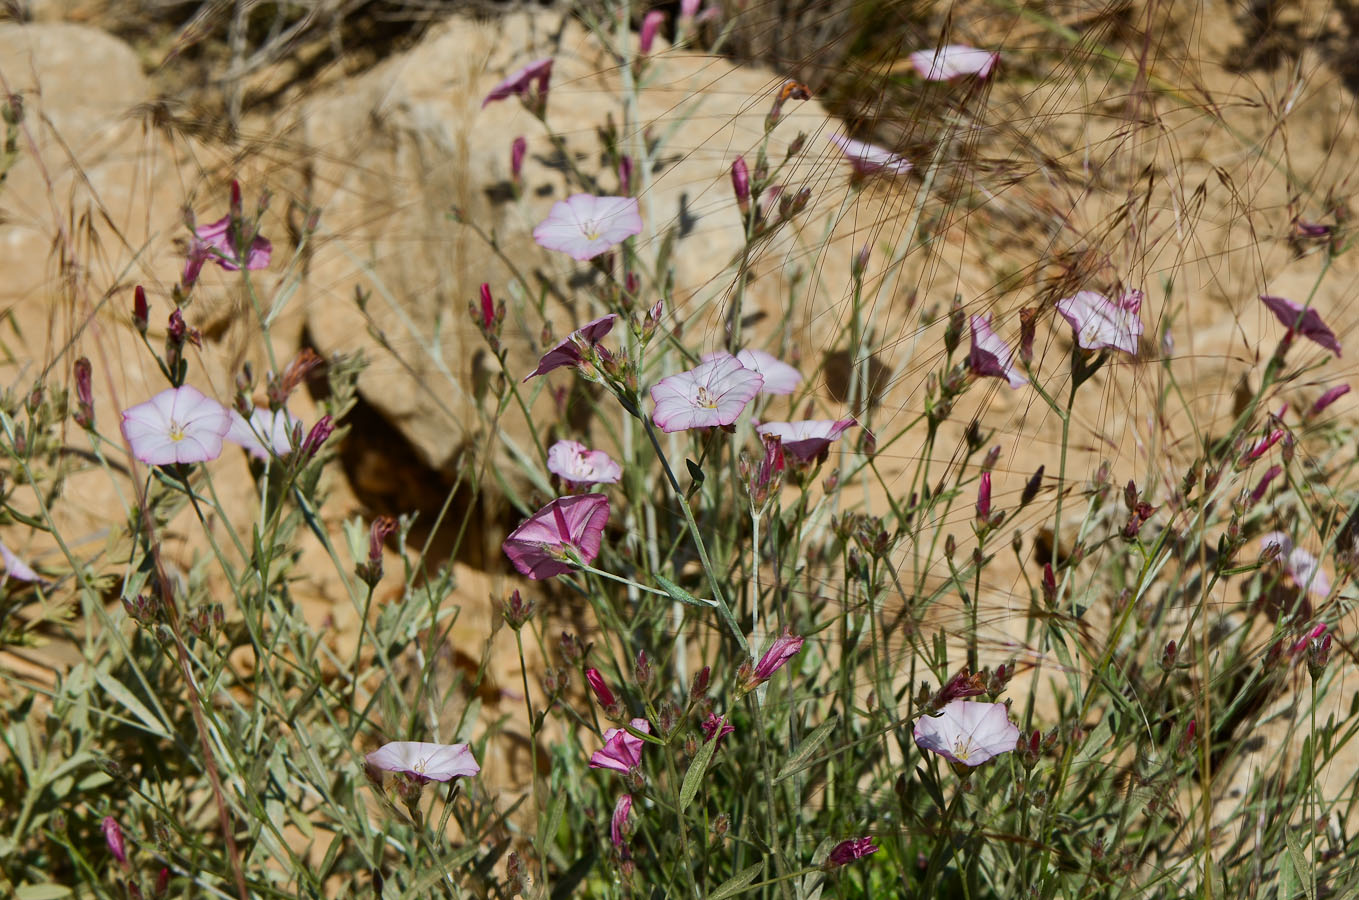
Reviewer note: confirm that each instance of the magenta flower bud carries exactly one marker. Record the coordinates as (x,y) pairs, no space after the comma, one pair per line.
(1307,639)
(784,648)
(860,261)
(740,184)
(176,330)
(487,308)
(618,825)
(625,175)
(1049,584)
(1263,446)
(237,208)
(600,687)
(113,836)
(1328,398)
(84,415)
(141,314)
(1169,655)
(650,25)
(317,436)
(162,882)
(689,8)
(517,151)
(699,687)
(1258,492)
(848,851)
(984,498)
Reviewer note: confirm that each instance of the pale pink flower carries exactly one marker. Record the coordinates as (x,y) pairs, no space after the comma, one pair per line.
(217,243)
(583,226)
(424,761)
(968,732)
(1099,322)
(15,567)
(538,547)
(569,351)
(178,425)
(622,751)
(779,377)
(712,394)
(848,851)
(1302,567)
(572,461)
(990,355)
(619,822)
(1303,320)
(807,440)
(528,81)
(868,159)
(265,433)
(953,60)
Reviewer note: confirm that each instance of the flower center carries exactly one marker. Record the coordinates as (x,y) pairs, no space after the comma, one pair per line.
(962,748)
(590,229)
(176,431)
(706,398)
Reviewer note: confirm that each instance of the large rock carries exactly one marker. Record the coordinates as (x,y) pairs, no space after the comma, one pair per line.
(397,150)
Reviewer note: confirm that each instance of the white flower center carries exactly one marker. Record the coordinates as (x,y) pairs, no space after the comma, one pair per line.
(706,398)
(176,431)
(590,228)
(962,747)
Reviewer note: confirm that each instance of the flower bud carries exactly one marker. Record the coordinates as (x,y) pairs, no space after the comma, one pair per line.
(1028,326)
(650,25)
(141,314)
(740,185)
(699,687)
(113,837)
(317,436)
(1328,398)
(600,688)
(643,670)
(84,414)
(1168,656)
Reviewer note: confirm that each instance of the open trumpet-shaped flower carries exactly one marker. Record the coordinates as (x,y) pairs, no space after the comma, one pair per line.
(712,394)
(1301,566)
(583,226)
(424,761)
(869,159)
(622,751)
(953,61)
(572,461)
(570,349)
(178,425)
(538,548)
(15,567)
(217,242)
(265,433)
(1100,322)
(779,377)
(968,732)
(806,441)
(992,356)
(1304,320)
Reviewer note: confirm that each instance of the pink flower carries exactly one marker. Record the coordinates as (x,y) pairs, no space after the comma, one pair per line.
(265,433)
(952,60)
(529,84)
(990,355)
(716,727)
(867,159)
(15,567)
(784,648)
(967,732)
(579,465)
(779,377)
(583,226)
(568,351)
(1301,566)
(217,242)
(848,851)
(621,752)
(424,761)
(1100,322)
(538,547)
(618,825)
(178,425)
(1304,320)
(806,441)
(715,393)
